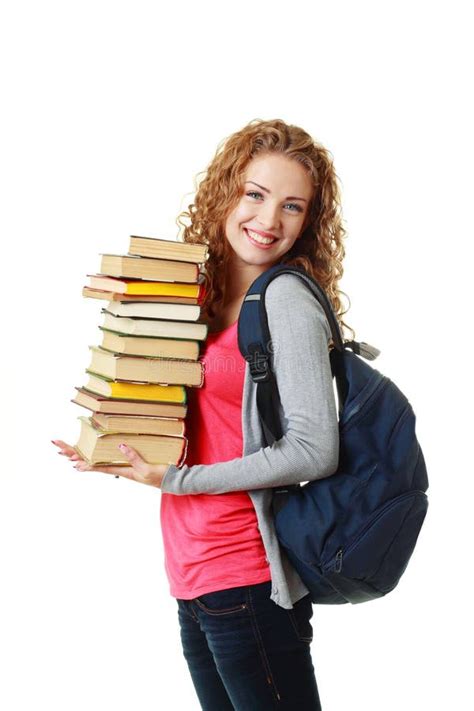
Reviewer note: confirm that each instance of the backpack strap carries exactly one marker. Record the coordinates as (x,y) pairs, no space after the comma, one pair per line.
(255,345)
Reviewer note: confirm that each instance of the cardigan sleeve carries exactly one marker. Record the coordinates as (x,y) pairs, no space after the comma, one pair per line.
(309,446)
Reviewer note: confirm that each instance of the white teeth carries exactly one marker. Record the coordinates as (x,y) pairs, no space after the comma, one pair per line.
(259,238)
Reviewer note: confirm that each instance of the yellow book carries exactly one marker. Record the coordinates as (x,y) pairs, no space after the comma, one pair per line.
(145,288)
(90,293)
(135,391)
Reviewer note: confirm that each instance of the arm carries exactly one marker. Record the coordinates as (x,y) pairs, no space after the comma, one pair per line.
(309,447)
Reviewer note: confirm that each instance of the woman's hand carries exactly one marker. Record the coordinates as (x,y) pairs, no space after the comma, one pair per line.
(151,474)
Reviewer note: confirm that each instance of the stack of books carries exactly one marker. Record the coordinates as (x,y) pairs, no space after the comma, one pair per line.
(148,355)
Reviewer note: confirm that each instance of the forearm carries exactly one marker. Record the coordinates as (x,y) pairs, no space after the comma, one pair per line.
(290,460)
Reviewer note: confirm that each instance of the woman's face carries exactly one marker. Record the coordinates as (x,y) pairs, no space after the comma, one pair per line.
(275,202)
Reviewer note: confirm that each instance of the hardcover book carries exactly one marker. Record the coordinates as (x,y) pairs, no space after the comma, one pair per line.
(100,447)
(167,249)
(117,366)
(118,265)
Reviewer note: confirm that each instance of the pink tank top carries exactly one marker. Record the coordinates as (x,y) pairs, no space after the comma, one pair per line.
(211,541)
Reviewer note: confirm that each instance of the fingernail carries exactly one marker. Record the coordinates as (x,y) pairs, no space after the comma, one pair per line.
(123,447)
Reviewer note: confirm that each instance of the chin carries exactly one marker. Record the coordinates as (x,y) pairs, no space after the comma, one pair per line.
(258,260)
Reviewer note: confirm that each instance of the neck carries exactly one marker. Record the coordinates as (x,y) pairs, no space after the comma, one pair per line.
(238,279)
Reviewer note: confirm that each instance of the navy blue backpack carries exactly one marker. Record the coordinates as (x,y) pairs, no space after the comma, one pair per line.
(350,535)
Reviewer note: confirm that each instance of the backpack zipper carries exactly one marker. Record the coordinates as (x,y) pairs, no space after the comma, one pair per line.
(336,562)
(382,382)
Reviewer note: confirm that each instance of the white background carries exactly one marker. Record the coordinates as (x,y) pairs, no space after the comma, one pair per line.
(109,111)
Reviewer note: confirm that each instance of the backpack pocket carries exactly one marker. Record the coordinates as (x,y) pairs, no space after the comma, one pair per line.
(373,562)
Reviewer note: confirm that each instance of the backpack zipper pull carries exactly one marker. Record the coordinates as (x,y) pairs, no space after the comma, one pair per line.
(363,349)
(338,564)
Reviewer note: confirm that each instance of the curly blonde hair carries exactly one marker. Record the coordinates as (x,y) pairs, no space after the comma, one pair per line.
(319,250)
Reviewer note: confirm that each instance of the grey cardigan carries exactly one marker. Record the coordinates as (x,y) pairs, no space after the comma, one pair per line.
(309,447)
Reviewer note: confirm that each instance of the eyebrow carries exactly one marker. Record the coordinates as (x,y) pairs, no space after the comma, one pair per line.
(290,197)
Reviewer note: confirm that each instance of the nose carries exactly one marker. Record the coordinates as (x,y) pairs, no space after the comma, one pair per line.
(268,216)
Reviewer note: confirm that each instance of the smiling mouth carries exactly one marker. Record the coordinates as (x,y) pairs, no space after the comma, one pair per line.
(259,238)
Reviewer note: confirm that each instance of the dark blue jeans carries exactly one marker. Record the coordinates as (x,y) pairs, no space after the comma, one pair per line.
(246,653)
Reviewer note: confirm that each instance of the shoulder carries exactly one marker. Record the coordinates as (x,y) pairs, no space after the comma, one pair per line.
(285,283)
(289,300)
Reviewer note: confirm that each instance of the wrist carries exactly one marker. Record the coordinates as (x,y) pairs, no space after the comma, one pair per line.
(159,471)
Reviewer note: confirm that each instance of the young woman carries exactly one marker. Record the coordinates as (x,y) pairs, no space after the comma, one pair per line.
(270,195)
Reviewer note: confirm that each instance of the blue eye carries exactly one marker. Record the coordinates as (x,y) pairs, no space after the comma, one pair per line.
(255,192)
(298,207)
